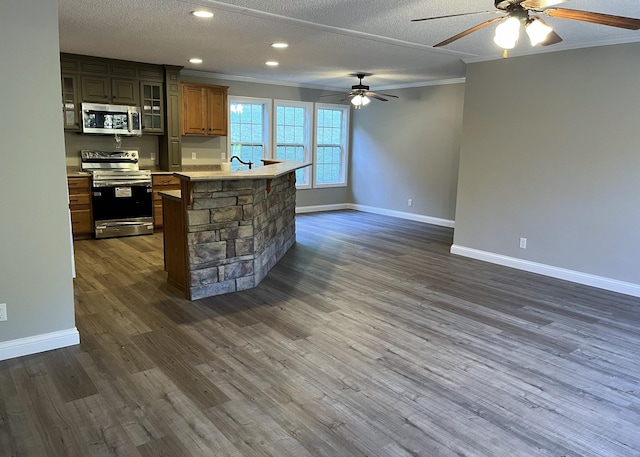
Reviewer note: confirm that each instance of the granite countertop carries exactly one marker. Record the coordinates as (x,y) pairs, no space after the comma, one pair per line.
(174,194)
(265,172)
(77,174)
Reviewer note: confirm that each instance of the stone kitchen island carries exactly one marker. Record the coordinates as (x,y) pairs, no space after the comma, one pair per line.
(224,231)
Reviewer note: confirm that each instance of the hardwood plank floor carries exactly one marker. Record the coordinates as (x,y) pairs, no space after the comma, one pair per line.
(367,339)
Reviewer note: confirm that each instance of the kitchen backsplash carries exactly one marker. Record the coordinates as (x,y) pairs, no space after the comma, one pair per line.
(207,150)
(146,145)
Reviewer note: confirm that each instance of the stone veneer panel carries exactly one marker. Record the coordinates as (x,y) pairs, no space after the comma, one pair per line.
(237,232)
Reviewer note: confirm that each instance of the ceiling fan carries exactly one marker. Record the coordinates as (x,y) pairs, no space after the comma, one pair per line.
(360,93)
(517,13)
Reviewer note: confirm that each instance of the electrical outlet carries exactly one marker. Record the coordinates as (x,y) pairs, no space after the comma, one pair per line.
(3,311)
(153,156)
(410,202)
(193,156)
(523,243)
(223,157)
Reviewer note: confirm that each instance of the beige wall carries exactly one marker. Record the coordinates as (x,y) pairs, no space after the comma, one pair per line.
(550,153)
(35,246)
(407,148)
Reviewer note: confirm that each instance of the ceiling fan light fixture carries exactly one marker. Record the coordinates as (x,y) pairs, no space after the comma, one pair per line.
(507,33)
(537,31)
(360,100)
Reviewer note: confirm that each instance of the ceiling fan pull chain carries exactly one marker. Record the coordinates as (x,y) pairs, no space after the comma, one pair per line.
(505,53)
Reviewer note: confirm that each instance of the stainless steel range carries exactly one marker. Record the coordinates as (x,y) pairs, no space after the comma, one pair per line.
(121,194)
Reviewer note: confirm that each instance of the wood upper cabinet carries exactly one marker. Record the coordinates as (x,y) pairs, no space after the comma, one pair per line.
(217,111)
(204,109)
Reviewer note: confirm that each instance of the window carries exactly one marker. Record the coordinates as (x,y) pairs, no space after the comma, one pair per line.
(293,138)
(330,162)
(249,132)
(256,132)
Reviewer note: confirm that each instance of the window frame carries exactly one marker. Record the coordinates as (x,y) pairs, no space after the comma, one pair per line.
(308,136)
(267,105)
(346,109)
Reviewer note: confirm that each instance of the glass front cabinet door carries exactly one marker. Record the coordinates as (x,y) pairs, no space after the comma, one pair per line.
(152,107)
(70,105)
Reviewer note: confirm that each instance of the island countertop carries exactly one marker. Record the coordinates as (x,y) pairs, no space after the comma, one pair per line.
(271,171)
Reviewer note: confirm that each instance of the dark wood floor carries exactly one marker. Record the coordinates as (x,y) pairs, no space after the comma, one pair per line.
(368,339)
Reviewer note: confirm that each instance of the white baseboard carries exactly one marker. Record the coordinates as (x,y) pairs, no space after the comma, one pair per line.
(403,215)
(600,282)
(373,209)
(320,208)
(38,343)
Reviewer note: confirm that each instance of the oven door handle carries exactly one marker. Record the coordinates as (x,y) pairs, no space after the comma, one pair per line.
(121,183)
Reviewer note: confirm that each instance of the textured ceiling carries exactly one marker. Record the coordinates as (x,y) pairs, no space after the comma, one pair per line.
(329,39)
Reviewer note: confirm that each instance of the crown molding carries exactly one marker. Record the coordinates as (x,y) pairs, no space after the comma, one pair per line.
(435,82)
(547,50)
(249,79)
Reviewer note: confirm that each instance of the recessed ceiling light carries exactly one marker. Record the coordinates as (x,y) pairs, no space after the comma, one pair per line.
(279,45)
(195,60)
(271,63)
(202,13)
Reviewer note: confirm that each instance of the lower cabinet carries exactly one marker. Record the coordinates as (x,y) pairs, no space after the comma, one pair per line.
(161,183)
(80,206)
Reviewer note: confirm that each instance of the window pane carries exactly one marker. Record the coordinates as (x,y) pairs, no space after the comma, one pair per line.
(292,136)
(330,154)
(247,133)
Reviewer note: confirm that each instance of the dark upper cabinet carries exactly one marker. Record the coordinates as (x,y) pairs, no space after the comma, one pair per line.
(96,80)
(154,88)
(95,89)
(70,102)
(125,91)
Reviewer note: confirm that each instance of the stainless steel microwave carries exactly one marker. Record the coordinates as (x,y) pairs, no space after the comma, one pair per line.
(111,119)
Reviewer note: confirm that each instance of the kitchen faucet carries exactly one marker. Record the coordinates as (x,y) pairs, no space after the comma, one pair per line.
(241,161)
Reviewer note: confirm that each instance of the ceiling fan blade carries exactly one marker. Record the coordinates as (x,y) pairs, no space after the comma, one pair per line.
(449,15)
(595,18)
(373,94)
(552,38)
(349,97)
(376,96)
(538,4)
(468,31)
